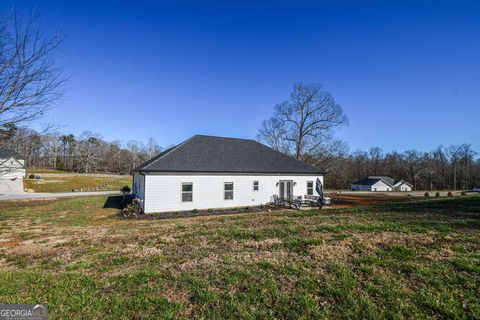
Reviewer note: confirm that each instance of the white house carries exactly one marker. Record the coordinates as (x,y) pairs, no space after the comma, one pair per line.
(401,185)
(206,172)
(12,171)
(381,183)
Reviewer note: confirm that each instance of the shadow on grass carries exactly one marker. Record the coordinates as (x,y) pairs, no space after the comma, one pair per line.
(439,214)
(115,202)
(458,207)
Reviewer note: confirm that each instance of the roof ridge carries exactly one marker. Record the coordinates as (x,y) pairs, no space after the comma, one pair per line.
(211,136)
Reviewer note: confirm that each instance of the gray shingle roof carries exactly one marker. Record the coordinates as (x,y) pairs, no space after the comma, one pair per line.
(9,153)
(230,155)
(367,182)
(386,179)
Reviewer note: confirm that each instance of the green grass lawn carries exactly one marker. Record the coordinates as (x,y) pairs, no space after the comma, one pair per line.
(400,260)
(76,182)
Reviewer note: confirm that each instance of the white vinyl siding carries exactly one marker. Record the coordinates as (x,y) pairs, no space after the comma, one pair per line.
(381,186)
(163,194)
(404,187)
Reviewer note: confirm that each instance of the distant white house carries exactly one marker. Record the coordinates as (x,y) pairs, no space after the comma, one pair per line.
(206,172)
(381,183)
(12,171)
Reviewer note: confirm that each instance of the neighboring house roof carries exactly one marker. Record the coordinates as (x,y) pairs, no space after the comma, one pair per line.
(367,182)
(401,182)
(387,180)
(218,154)
(9,153)
(371,180)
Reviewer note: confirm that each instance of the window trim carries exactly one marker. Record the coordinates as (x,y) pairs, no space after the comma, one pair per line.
(186,192)
(258,185)
(308,194)
(225,190)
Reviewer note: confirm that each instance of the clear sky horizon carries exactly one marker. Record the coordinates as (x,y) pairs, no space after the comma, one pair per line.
(407,73)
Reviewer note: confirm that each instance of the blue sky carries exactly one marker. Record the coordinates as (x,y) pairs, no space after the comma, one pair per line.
(407,73)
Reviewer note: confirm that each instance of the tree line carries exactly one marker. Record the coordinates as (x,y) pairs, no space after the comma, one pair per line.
(445,168)
(303,127)
(87,153)
(454,167)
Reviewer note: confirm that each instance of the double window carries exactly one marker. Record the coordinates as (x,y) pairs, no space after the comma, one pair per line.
(187,192)
(255,185)
(310,188)
(228,190)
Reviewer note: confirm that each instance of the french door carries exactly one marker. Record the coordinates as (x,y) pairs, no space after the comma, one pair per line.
(286,189)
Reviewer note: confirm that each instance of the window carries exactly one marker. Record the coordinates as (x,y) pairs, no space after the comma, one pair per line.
(310,188)
(187,191)
(228,186)
(255,185)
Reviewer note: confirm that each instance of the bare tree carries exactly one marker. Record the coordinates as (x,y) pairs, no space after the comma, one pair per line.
(328,154)
(438,164)
(467,157)
(376,156)
(89,150)
(414,162)
(454,155)
(153,148)
(136,151)
(302,124)
(29,81)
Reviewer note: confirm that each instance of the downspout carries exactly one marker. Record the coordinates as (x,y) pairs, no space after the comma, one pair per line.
(144,189)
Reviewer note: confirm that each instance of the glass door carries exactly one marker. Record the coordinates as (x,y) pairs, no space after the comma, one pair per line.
(286,189)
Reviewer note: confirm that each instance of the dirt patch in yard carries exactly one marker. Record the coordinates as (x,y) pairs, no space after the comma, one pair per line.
(10,243)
